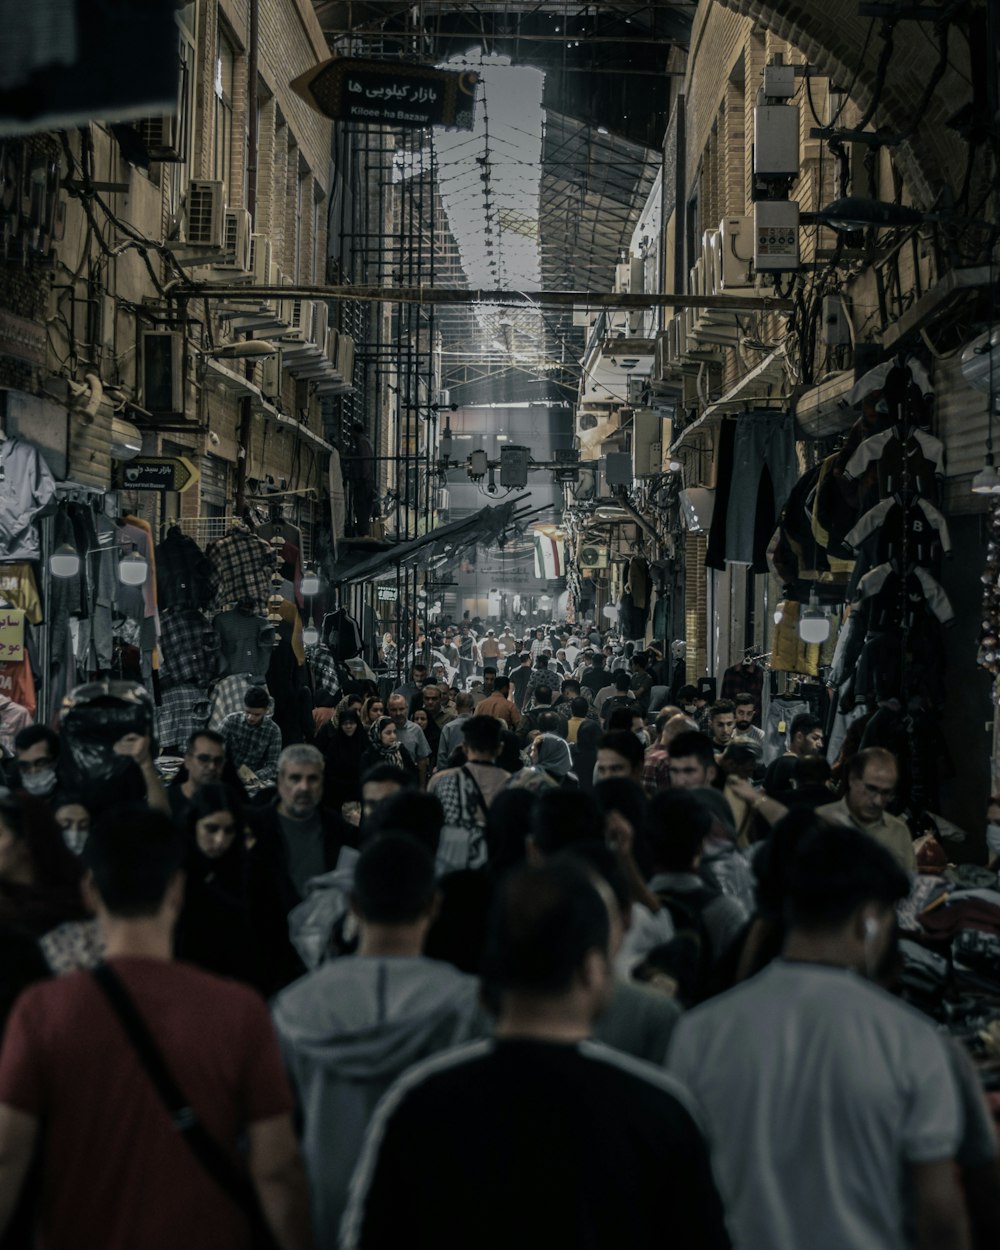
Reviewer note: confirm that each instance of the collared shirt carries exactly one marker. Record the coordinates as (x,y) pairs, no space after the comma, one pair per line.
(188,645)
(256,746)
(414,739)
(497,705)
(451,737)
(889,830)
(243,566)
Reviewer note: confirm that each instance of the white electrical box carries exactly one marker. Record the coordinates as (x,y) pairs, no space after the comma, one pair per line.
(775,236)
(735,253)
(776,141)
(779,82)
(834,330)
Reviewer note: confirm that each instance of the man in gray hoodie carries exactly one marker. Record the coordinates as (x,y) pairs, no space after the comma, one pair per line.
(351,1027)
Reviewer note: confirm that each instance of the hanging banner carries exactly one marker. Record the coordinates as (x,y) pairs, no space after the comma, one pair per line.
(12,634)
(390,93)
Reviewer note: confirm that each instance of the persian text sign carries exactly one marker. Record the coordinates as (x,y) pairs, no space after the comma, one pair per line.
(11,634)
(390,93)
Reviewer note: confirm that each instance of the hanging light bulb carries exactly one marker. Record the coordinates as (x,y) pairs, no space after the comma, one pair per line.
(64,561)
(132,569)
(986,481)
(310,581)
(814,624)
(310,636)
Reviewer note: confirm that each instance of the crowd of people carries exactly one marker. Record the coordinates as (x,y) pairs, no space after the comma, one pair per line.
(540,955)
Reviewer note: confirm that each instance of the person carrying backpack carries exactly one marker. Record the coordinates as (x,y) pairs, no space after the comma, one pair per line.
(466,792)
(705,920)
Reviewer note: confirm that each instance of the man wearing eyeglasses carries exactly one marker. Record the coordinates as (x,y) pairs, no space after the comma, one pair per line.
(872,778)
(204,761)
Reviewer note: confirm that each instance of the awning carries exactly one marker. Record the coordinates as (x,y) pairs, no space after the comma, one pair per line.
(444,546)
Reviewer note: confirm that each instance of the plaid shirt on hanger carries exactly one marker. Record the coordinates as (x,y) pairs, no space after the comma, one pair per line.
(323,669)
(243,565)
(189,648)
(183,710)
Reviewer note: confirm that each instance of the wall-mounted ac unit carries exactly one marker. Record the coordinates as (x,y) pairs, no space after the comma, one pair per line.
(205,214)
(260,259)
(637,275)
(236,243)
(345,357)
(321,313)
(734,268)
(270,380)
(623,276)
(161,136)
(300,313)
(161,362)
(826,409)
(332,348)
(647,435)
(593,426)
(592,555)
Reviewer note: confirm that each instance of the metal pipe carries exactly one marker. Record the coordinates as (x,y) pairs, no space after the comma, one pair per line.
(246,404)
(460,295)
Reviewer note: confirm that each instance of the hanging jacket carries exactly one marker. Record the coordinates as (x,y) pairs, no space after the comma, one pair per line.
(27,487)
(184,574)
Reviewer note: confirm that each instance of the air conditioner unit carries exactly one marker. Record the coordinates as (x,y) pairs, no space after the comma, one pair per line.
(260,259)
(637,388)
(735,266)
(332,348)
(236,243)
(345,357)
(647,434)
(270,377)
(205,215)
(637,275)
(711,251)
(592,556)
(160,136)
(321,313)
(593,426)
(623,276)
(300,313)
(825,410)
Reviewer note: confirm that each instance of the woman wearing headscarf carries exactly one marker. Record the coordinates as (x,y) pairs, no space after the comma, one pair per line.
(41,909)
(552,763)
(584,754)
(233,922)
(343,746)
(385,748)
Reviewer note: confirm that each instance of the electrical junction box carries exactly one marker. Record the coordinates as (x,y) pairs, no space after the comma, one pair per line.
(618,468)
(477,465)
(834,330)
(776,141)
(735,254)
(513,465)
(775,236)
(779,82)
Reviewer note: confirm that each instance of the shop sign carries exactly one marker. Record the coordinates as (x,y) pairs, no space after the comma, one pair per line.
(386,594)
(12,634)
(390,93)
(158,473)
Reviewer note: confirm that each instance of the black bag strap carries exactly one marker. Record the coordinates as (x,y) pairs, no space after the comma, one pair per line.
(183,1116)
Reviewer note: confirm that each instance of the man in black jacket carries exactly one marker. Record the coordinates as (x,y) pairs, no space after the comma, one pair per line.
(303,838)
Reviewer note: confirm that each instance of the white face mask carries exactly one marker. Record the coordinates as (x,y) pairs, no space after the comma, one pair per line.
(41,782)
(993,838)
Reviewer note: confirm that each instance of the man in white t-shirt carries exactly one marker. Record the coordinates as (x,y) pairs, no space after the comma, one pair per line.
(824,1099)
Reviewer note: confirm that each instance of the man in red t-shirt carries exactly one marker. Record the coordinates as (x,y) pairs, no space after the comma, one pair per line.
(115,1173)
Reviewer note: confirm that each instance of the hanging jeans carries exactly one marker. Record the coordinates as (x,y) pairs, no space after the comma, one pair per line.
(765,440)
(780,714)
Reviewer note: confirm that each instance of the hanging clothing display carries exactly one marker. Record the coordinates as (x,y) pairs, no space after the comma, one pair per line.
(245,642)
(789,653)
(27,487)
(243,565)
(744,678)
(898,596)
(190,648)
(764,472)
(910,459)
(185,576)
(902,523)
(19,590)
